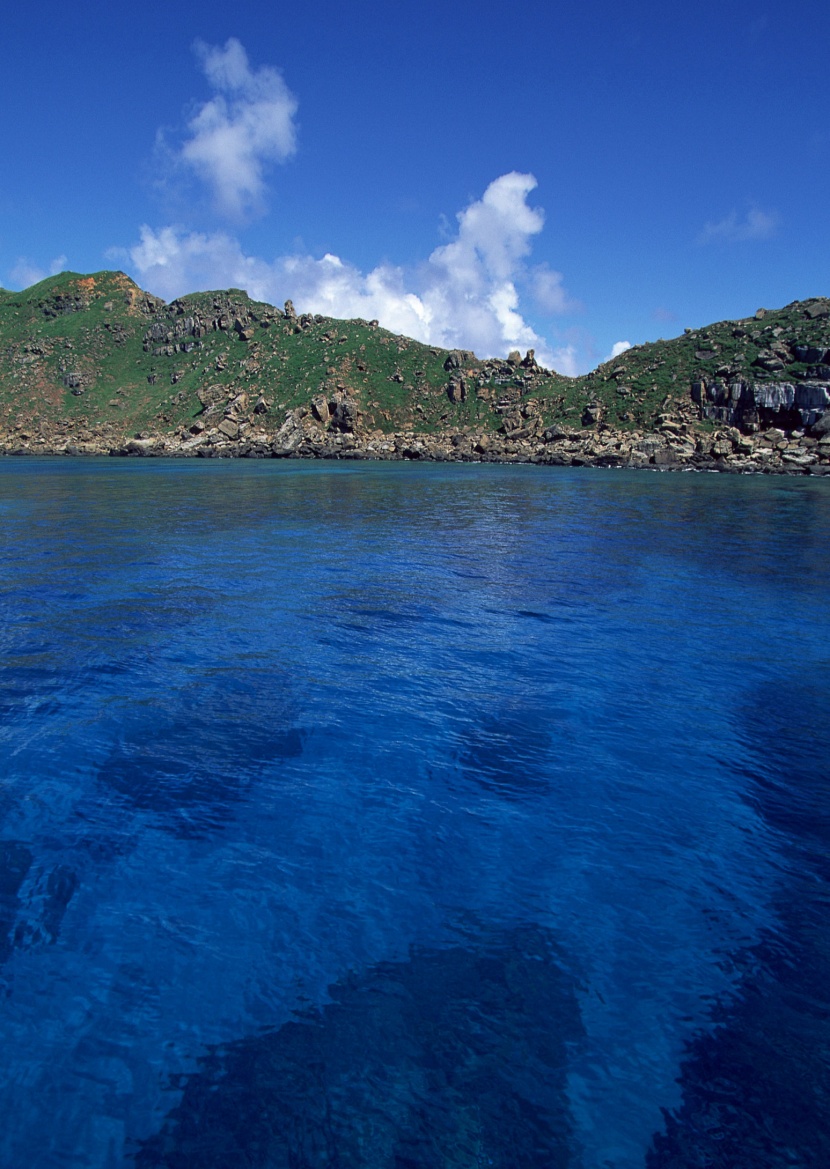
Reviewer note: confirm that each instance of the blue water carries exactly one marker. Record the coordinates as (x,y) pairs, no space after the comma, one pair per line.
(407,816)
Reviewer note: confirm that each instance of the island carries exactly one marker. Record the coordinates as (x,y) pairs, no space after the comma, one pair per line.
(94,365)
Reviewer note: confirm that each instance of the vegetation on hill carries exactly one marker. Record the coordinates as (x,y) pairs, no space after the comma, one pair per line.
(97,356)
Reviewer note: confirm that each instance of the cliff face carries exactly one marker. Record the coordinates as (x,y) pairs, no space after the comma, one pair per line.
(94,364)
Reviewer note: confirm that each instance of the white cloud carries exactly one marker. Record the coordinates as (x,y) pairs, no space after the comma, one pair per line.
(617,348)
(25,273)
(464,296)
(248,124)
(755,225)
(548,291)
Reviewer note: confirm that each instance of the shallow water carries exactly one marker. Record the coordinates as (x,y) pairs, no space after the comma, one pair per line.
(412,816)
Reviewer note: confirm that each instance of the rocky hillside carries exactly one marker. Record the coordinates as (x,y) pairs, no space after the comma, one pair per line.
(93,364)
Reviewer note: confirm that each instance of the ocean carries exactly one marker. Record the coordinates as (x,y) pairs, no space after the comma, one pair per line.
(406,816)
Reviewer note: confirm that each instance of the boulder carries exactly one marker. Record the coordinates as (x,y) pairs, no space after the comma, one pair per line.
(591,414)
(457,390)
(210,396)
(320,409)
(345,415)
(810,355)
(140,446)
(238,405)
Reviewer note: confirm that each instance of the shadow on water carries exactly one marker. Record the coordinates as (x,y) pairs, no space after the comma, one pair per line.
(756,1087)
(506,752)
(453,1058)
(189,763)
(33,900)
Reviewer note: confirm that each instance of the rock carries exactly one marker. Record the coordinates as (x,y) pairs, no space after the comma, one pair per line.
(140,446)
(769,362)
(591,415)
(345,415)
(239,405)
(818,309)
(514,357)
(229,428)
(290,312)
(210,396)
(261,406)
(798,458)
(320,409)
(457,390)
(810,355)
(453,360)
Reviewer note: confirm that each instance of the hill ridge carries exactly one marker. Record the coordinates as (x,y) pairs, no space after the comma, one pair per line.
(93,363)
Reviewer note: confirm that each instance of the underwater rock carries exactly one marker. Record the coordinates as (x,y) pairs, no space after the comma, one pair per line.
(451,1059)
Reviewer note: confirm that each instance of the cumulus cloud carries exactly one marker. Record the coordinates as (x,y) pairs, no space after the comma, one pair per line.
(755,225)
(465,295)
(25,273)
(617,348)
(248,124)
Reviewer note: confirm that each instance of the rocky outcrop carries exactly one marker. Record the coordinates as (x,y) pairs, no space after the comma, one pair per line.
(746,404)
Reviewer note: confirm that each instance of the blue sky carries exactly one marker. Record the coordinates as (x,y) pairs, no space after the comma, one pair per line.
(563,175)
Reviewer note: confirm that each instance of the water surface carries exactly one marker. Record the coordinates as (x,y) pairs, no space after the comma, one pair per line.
(412,816)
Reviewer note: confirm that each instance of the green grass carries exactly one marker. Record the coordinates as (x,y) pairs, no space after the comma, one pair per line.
(399,383)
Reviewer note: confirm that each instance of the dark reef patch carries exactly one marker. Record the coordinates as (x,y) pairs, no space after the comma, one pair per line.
(191,761)
(453,1058)
(506,752)
(756,1087)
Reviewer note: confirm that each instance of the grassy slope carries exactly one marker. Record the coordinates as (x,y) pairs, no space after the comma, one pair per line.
(94,329)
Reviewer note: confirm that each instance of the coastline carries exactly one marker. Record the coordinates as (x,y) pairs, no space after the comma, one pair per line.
(672,449)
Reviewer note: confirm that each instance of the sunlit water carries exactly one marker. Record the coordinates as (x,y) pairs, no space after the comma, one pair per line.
(410,816)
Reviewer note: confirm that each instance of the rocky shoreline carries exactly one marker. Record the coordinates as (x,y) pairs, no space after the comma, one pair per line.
(674,447)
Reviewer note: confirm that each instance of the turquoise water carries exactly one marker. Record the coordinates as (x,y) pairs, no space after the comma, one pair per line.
(412,816)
